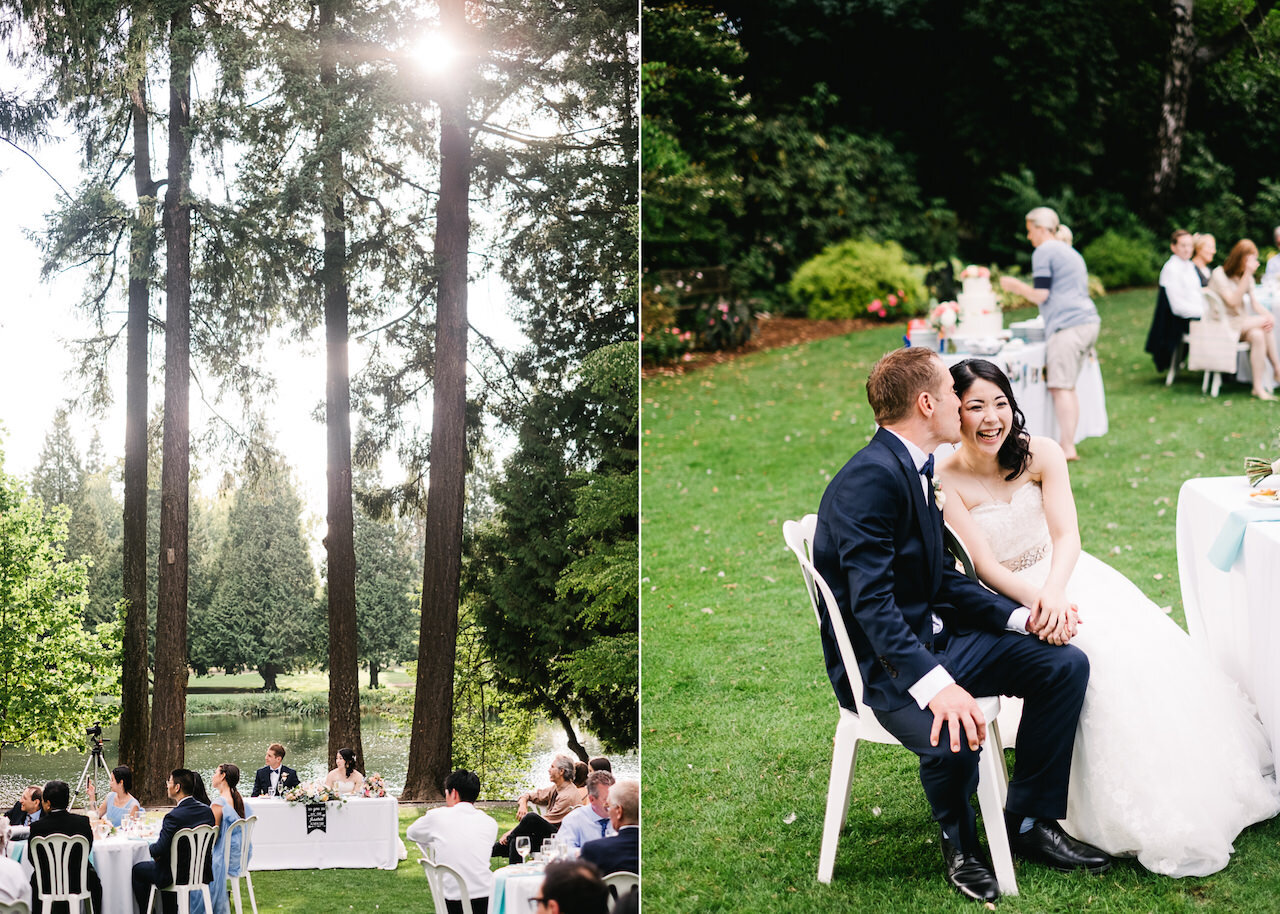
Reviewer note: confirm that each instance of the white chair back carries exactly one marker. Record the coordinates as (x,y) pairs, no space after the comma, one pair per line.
(193,845)
(14,907)
(620,883)
(244,827)
(436,874)
(51,855)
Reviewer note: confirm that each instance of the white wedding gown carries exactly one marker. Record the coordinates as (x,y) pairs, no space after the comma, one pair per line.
(1170,763)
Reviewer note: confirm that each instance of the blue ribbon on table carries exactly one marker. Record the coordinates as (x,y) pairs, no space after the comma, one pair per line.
(1226,548)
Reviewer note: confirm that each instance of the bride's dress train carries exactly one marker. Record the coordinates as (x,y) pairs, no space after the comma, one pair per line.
(1170,763)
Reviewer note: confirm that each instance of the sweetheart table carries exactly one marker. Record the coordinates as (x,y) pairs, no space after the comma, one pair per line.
(363,833)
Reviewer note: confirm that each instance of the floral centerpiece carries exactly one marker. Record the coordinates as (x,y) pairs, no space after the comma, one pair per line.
(944,318)
(374,786)
(309,792)
(973,271)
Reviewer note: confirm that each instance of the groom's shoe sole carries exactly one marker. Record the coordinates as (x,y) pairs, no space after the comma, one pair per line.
(1050,846)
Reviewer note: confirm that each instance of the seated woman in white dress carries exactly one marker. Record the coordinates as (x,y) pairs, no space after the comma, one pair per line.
(120,803)
(1170,763)
(344,778)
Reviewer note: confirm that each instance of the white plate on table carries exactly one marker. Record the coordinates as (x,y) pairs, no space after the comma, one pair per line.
(1259,500)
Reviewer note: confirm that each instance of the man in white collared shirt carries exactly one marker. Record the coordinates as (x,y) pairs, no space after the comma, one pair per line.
(587,823)
(1180,280)
(461,837)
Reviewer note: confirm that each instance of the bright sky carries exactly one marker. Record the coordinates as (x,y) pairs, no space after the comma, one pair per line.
(38,319)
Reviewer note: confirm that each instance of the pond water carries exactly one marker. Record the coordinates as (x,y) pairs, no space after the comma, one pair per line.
(216,738)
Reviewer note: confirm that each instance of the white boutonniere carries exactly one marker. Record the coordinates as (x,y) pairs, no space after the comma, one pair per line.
(939,497)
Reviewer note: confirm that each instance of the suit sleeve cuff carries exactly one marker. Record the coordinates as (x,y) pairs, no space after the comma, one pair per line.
(1018,620)
(929,685)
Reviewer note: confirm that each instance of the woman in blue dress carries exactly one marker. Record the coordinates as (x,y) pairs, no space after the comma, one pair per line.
(120,802)
(228,808)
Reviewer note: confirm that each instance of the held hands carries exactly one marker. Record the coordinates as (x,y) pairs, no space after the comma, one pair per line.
(1053,619)
(958,709)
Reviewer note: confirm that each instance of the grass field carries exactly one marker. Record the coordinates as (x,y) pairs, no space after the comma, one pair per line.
(738,714)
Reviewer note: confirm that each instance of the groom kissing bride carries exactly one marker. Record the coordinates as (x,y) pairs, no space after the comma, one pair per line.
(1105,714)
(928,638)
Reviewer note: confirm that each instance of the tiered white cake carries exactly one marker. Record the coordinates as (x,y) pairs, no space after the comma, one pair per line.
(980,315)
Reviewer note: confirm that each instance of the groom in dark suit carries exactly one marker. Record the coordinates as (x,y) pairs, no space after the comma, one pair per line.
(275,777)
(928,639)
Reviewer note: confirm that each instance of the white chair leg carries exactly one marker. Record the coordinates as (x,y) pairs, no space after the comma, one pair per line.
(844,759)
(1217,383)
(233,884)
(151,900)
(208,899)
(1173,368)
(991,775)
(253,904)
(996,745)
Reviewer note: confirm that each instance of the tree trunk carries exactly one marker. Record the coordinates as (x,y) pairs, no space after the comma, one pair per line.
(373,675)
(268,672)
(168,730)
(431,746)
(134,700)
(344,669)
(1173,106)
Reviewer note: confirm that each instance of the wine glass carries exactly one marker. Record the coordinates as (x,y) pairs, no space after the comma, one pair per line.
(522,847)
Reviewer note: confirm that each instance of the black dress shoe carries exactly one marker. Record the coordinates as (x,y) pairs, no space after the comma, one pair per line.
(969,873)
(1048,844)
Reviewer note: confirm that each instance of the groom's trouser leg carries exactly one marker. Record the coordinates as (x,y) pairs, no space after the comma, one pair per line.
(1051,680)
(949,778)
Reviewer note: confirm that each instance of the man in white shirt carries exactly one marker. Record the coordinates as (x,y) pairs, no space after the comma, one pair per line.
(587,823)
(1180,280)
(461,837)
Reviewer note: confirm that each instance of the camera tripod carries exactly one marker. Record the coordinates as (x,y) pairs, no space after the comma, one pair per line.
(95,771)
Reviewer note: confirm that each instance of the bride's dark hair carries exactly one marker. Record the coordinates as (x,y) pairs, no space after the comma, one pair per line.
(1015,453)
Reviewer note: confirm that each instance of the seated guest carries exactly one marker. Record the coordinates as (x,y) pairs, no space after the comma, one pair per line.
(120,803)
(587,823)
(275,777)
(599,763)
(621,853)
(580,771)
(343,777)
(1203,249)
(55,820)
(228,808)
(27,807)
(187,812)
(15,888)
(559,798)
(1233,281)
(573,887)
(1181,299)
(461,837)
(1273,264)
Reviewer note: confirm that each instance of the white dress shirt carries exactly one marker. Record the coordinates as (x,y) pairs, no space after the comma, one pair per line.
(1181,283)
(584,824)
(462,837)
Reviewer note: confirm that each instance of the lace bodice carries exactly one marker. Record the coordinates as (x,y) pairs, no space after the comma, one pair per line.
(1017,531)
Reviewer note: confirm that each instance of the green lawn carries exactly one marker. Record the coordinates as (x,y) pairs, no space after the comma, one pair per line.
(738,714)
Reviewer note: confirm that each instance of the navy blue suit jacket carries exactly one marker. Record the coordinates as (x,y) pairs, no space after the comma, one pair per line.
(878,545)
(187,813)
(617,854)
(262,780)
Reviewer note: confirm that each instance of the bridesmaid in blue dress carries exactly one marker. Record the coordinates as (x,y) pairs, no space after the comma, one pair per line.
(228,807)
(120,802)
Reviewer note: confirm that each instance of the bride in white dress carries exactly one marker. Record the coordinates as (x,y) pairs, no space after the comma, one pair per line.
(344,778)
(1170,763)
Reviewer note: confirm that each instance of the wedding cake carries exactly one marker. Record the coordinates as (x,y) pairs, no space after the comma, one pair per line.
(980,315)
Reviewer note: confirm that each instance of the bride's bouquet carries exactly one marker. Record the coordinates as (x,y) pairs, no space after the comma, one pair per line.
(1258,469)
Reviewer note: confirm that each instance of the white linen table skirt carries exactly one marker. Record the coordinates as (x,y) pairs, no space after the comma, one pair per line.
(1025,368)
(1232,615)
(513,886)
(363,833)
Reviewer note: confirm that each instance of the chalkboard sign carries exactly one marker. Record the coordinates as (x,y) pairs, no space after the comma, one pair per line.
(317,817)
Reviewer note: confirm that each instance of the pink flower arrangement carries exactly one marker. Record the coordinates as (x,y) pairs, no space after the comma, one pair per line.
(877,306)
(975,272)
(945,317)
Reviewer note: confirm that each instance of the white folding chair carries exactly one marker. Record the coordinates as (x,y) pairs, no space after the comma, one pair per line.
(245,828)
(16,907)
(198,841)
(52,854)
(861,725)
(620,883)
(436,874)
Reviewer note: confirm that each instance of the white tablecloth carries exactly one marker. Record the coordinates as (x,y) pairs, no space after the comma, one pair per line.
(513,886)
(113,858)
(1025,368)
(1233,615)
(363,833)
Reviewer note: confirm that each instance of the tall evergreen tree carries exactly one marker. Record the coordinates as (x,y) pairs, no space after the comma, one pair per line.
(385,590)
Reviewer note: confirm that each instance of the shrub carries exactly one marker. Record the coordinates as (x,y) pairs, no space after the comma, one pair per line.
(856,278)
(661,340)
(1120,260)
(724,325)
